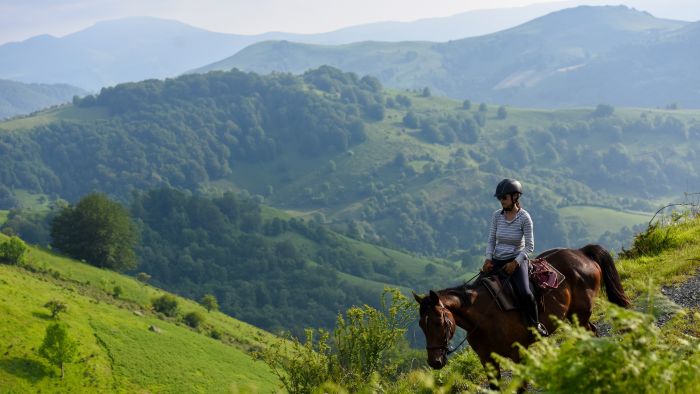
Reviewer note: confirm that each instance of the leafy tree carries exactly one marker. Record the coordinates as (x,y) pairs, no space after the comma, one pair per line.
(143,277)
(209,301)
(58,347)
(403,100)
(56,307)
(603,110)
(466,104)
(502,113)
(97,230)
(13,251)
(483,107)
(411,120)
(426,92)
(165,304)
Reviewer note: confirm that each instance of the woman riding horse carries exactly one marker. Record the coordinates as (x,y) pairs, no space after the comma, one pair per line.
(491,330)
(511,239)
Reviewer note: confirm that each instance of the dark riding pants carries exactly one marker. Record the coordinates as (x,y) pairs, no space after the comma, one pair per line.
(521,282)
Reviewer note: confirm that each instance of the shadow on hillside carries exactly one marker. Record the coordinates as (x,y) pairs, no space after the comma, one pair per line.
(42,315)
(30,370)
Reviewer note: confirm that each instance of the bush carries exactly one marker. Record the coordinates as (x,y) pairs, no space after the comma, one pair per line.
(654,240)
(117,291)
(366,352)
(637,358)
(165,304)
(13,251)
(193,319)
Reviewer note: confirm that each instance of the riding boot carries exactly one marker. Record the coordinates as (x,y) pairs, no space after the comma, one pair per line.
(533,315)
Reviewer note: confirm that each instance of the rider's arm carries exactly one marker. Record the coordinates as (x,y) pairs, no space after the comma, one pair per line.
(491,242)
(528,234)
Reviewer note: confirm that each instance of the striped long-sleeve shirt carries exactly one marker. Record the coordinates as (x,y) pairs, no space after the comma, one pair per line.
(509,240)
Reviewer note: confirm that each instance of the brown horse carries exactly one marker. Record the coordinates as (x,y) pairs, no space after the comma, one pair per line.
(490,330)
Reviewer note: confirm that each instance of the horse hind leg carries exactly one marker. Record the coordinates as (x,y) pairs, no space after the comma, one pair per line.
(592,327)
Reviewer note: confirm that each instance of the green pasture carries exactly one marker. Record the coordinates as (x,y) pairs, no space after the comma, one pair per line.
(3,216)
(598,220)
(117,352)
(68,113)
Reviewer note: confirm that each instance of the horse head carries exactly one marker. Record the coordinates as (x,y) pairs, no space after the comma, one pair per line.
(438,324)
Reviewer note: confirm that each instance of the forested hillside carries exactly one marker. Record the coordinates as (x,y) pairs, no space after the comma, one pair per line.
(400,168)
(395,168)
(19,98)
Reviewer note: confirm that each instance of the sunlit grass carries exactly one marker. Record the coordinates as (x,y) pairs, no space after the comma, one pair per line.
(117,352)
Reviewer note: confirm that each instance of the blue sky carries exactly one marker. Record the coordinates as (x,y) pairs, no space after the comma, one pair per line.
(21,19)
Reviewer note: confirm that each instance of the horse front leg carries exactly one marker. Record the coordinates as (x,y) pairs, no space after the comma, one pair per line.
(491,366)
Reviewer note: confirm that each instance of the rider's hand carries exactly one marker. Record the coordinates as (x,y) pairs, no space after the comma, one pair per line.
(510,267)
(488,265)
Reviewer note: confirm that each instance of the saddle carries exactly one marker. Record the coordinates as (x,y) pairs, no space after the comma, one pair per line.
(543,278)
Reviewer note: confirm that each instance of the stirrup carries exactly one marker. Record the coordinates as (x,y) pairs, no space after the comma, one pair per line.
(541,329)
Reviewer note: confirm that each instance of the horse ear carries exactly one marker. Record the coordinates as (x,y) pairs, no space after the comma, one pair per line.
(471,296)
(418,298)
(434,297)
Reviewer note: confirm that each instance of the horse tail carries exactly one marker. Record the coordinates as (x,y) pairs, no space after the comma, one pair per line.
(613,285)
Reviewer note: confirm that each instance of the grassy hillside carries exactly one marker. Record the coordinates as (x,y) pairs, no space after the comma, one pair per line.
(599,220)
(18,98)
(117,352)
(69,113)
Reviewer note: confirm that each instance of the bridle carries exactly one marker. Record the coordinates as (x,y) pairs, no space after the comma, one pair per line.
(448,329)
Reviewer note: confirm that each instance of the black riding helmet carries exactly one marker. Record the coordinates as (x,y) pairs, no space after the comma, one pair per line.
(508,186)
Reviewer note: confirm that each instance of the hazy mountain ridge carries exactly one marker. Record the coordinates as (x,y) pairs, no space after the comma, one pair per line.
(133,49)
(528,65)
(18,98)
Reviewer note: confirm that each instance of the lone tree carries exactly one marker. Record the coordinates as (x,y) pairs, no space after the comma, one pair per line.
(97,230)
(58,347)
(209,301)
(56,307)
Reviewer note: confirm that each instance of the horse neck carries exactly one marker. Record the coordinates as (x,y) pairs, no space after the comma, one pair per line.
(459,309)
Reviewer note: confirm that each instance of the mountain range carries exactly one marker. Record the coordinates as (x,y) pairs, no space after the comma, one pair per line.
(133,49)
(603,54)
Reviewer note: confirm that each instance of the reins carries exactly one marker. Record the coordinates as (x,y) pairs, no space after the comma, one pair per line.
(466,286)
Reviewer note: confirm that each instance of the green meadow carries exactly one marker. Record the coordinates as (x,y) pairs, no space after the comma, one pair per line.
(117,352)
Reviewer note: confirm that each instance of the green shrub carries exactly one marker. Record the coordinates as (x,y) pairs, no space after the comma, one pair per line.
(117,291)
(637,358)
(300,367)
(366,352)
(365,339)
(193,319)
(13,251)
(654,240)
(165,304)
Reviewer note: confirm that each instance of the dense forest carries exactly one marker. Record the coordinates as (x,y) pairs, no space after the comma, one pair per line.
(181,132)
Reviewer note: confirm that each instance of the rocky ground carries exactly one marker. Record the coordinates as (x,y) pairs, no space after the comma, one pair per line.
(687,294)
